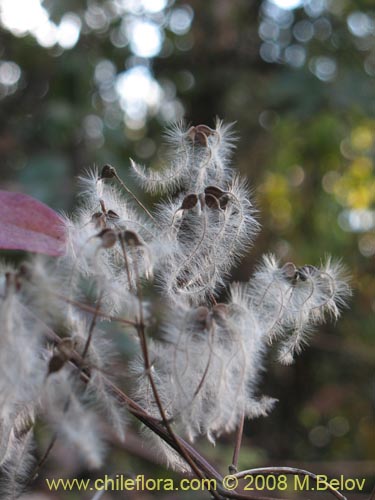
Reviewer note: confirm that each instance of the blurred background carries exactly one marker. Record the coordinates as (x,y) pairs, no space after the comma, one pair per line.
(88,82)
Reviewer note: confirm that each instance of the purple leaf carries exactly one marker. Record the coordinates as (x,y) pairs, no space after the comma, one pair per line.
(27,224)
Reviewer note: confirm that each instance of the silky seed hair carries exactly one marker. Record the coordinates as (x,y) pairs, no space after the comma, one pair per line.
(199,359)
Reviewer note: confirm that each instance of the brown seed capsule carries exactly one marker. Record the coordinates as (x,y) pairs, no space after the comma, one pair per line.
(108,172)
(289,271)
(205,129)
(214,191)
(189,202)
(200,133)
(112,216)
(108,237)
(201,138)
(211,201)
(224,201)
(56,363)
(63,353)
(220,312)
(201,313)
(216,197)
(67,346)
(191,133)
(304,272)
(131,238)
(202,318)
(98,219)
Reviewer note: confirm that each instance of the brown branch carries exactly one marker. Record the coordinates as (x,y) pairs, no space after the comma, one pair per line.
(139,203)
(93,310)
(288,471)
(237,445)
(152,423)
(92,326)
(176,443)
(179,446)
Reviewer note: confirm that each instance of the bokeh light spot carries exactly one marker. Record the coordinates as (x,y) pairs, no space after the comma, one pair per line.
(288,4)
(145,38)
(10,73)
(181,20)
(68,30)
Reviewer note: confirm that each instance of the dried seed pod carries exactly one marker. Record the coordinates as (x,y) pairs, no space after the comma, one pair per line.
(96,216)
(200,133)
(108,237)
(201,313)
(211,201)
(63,353)
(220,312)
(205,129)
(212,196)
(107,172)
(289,271)
(98,219)
(201,138)
(216,197)
(189,202)
(112,215)
(132,239)
(224,201)
(67,346)
(304,272)
(214,191)
(202,318)
(56,363)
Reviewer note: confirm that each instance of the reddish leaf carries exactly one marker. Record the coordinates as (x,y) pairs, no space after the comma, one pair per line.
(27,224)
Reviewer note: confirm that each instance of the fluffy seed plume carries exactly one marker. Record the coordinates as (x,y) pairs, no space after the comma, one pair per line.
(198,361)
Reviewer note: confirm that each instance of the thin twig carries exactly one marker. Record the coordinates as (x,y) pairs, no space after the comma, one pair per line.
(139,203)
(102,314)
(133,407)
(42,460)
(154,425)
(52,443)
(292,471)
(126,260)
(142,337)
(92,326)
(237,444)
